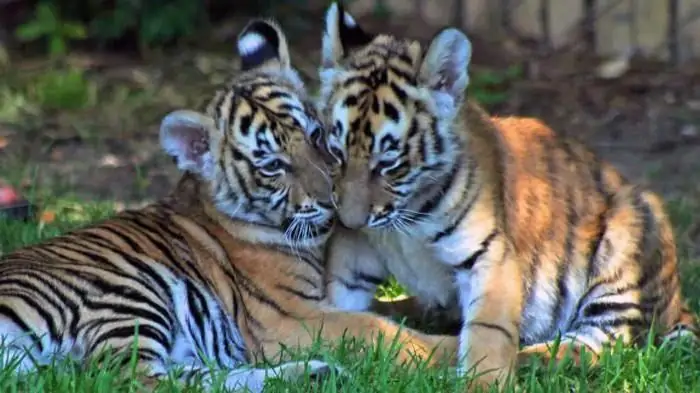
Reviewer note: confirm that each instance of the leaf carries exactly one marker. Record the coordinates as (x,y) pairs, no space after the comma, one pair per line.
(74,30)
(57,46)
(47,15)
(3,142)
(30,31)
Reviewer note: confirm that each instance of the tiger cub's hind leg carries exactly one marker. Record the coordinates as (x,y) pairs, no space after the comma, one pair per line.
(633,284)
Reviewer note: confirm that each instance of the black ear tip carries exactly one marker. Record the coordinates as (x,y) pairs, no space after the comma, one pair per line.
(258,42)
(341,8)
(260,26)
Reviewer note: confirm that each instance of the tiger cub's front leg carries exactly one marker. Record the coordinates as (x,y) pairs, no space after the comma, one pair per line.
(354,272)
(491,300)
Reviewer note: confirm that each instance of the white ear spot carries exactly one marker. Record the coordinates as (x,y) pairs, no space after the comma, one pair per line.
(349,20)
(250,43)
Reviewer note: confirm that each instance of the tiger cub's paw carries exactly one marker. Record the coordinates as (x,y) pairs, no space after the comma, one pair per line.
(550,352)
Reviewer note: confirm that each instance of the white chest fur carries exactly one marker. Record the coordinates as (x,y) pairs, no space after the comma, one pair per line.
(414,264)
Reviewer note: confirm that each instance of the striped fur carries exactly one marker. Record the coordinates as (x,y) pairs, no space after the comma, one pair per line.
(527,235)
(225,269)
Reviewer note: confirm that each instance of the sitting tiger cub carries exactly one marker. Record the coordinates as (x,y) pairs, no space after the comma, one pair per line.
(224,269)
(528,234)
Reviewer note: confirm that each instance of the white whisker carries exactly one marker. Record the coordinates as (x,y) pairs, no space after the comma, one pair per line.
(289,236)
(414,217)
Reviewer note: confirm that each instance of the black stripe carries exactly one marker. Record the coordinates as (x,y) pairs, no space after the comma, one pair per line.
(54,334)
(141,267)
(403,75)
(96,235)
(474,257)
(24,283)
(277,94)
(216,342)
(352,286)
(434,202)
(250,287)
(359,276)
(449,230)
(58,252)
(133,311)
(121,332)
(599,308)
(67,302)
(298,293)
(306,280)
(611,325)
(304,256)
(558,183)
(398,91)
(228,342)
(196,304)
(13,316)
(157,235)
(149,354)
(492,326)
(439,143)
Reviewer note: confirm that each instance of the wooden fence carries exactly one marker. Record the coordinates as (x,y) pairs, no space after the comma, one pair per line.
(668,29)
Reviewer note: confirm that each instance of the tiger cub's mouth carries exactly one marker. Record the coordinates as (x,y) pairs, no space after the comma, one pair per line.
(309,224)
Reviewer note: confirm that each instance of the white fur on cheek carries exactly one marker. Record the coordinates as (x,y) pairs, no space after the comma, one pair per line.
(250,43)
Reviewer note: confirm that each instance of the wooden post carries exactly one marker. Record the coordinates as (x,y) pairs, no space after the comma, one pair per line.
(673,33)
(545,25)
(589,16)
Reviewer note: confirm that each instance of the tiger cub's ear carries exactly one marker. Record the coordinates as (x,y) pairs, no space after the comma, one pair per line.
(263,43)
(445,66)
(184,135)
(341,34)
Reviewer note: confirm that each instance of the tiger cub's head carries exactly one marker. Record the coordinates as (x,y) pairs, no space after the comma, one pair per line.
(254,141)
(389,105)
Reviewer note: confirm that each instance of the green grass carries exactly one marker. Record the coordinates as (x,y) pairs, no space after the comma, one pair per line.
(673,368)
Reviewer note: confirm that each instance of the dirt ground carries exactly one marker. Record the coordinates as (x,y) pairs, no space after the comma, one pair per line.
(645,121)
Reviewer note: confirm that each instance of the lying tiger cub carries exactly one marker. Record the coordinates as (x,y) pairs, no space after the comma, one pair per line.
(224,269)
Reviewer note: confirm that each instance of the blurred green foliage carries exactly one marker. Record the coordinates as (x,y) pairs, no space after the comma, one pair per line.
(48,24)
(155,22)
(490,87)
(147,23)
(63,89)
(143,24)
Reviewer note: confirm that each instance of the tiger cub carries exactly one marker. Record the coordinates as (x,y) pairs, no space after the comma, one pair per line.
(224,269)
(528,234)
